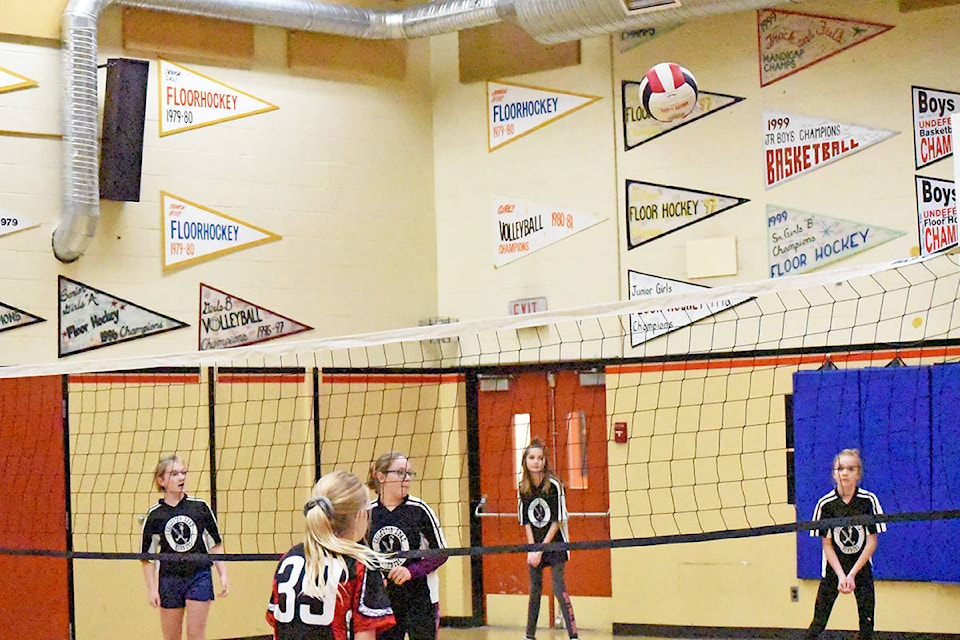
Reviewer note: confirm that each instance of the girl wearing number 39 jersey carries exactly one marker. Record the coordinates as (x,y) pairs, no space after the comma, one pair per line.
(322,589)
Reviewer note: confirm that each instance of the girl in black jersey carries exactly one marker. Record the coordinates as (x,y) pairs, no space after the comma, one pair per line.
(400,522)
(183,525)
(848,548)
(543,515)
(321,589)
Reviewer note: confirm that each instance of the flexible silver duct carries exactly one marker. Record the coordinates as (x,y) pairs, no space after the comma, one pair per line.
(548,21)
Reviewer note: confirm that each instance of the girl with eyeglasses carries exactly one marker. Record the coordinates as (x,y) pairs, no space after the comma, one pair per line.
(400,522)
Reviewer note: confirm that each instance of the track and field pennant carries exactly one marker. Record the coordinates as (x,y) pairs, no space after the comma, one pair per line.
(932,139)
(514,110)
(228,321)
(790,41)
(520,228)
(654,210)
(798,241)
(639,126)
(794,145)
(936,214)
(11,318)
(654,323)
(192,232)
(11,223)
(91,319)
(633,38)
(190,100)
(11,81)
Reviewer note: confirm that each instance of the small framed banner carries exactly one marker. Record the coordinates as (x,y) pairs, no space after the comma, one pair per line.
(932,132)
(228,321)
(936,214)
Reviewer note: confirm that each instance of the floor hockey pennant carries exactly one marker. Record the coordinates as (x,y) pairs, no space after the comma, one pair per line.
(932,131)
(91,319)
(11,318)
(639,126)
(190,100)
(12,222)
(520,228)
(936,214)
(654,210)
(515,110)
(228,321)
(794,145)
(789,41)
(12,81)
(798,241)
(653,323)
(193,233)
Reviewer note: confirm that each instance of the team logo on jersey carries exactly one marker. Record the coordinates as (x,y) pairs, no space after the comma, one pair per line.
(181,533)
(391,539)
(849,538)
(539,513)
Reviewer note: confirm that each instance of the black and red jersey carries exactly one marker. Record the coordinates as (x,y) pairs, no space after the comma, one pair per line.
(187,528)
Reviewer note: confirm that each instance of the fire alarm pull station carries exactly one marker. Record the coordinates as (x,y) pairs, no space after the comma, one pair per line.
(620,432)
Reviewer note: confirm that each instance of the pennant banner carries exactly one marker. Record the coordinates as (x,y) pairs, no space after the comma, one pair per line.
(635,37)
(639,126)
(932,133)
(190,100)
(193,232)
(11,318)
(91,319)
(654,210)
(520,228)
(514,110)
(790,41)
(10,81)
(228,321)
(651,324)
(11,223)
(936,214)
(794,145)
(798,241)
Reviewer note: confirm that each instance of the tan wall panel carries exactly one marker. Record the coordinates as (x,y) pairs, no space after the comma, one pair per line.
(32,18)
(503,49)
(332,56)
(172,34)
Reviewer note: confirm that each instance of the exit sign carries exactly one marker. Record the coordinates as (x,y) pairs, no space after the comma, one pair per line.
(527,305)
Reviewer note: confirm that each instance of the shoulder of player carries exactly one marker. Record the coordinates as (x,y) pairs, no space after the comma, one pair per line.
(863,494)
(417,503)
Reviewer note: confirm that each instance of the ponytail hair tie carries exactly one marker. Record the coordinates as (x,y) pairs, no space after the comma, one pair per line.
(323,502)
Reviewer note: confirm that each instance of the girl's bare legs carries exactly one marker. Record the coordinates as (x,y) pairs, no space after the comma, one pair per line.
(197,612)
(171,622)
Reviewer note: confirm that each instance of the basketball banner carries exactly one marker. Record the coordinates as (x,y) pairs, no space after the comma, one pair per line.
(654,210)
(11,81)
(639,126)
(798,242)
(789,41)
(520,228)
(932,139)
(936,214)
(228,321)
(11,223)
(11,318)
(653,323)
(794,145)
(190,100)
(193,232)
(515,110)
(92,319)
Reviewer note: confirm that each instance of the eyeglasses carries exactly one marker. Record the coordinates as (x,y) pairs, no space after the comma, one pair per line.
(402,473)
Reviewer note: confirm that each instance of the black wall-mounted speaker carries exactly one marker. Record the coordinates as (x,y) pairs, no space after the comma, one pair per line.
(121,145)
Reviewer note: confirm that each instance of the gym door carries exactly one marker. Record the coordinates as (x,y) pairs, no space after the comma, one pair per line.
(567,411)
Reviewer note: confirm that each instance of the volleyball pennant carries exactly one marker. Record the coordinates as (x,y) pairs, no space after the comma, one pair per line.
(633,38)
(228,321)
(190,100)
(936,214)
(653,323)
(639,126)
(932,133)
(798,241)
(192,232)
(11,81)
(794,145)
(91,319)
(11,318)
(515,110)
(790,41)
(654,210)
(11,223)
(520,228)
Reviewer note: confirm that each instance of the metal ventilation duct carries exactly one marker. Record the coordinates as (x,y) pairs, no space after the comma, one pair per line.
(548,21)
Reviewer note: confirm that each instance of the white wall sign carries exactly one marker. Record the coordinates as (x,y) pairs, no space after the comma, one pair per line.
(936,214)
(654,210)
(514,110)
(932,133)
(228,321)
(520,228)
(524,306)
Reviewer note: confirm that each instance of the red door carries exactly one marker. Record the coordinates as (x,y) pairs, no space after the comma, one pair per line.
(567,411)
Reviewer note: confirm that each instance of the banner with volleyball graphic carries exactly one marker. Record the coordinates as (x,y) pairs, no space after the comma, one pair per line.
(654,210)
(936,214)
(639,126)
(932,139)
(794,145)
(520,228)
(12,81)
(515,110)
